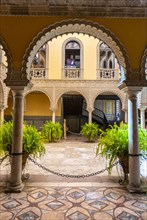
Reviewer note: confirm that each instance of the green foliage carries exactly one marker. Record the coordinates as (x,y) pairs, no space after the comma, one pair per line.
(90,131)
(113,143)
(6,138)
(52,131)
(32,140)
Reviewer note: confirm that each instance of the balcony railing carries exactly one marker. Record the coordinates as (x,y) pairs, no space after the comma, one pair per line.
(72,73)
(38,73)
(108,74)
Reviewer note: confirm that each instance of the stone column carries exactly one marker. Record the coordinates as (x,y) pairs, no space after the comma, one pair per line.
(90,110)
(15,184)
(134,162)
(142,116)
(53,116)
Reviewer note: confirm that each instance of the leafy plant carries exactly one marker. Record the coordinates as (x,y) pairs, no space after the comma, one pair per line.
(90,131)
(6,138)
(32,141)
(113,143)
(52,131)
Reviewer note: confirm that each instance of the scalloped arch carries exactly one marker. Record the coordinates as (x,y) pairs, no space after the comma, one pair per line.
(76,26)
(8,56)
(1,94)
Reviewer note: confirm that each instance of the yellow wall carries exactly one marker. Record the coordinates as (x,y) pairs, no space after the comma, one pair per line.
(89,55)
(37,104)
(18,32)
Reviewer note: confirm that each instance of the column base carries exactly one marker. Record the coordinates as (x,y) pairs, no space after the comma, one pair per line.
(135,189)
(14,188)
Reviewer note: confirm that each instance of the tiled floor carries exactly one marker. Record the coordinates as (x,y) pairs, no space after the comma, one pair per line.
(49,197)
(73,203)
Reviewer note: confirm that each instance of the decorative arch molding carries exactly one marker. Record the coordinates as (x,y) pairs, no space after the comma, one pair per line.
(117,92)
(37,90)
(77,26)
(8,56)
(77,90)
(1,95)
(144,64)
(4,91)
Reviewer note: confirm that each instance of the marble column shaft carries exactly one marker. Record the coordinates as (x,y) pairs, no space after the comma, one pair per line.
(134,163)
(15,184)
(142,114)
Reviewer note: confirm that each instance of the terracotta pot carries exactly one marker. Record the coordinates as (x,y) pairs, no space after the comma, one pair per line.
(24,160)
(124,162)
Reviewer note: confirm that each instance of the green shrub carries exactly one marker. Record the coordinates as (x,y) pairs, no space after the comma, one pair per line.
(113,143)
(6,138)
(32,140)
(52,131)
(91,131)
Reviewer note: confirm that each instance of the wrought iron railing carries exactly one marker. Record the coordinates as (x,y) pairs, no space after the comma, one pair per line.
(97,115)
(108,74)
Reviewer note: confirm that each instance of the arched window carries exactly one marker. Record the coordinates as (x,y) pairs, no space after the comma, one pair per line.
(72,54)
(108,66)
(40,58)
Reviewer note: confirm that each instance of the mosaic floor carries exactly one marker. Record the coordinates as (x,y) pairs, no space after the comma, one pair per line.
(49,197)
(69,203)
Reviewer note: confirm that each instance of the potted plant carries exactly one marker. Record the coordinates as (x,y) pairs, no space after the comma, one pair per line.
(32,142)
(52,131)
(113,144)
(91,131)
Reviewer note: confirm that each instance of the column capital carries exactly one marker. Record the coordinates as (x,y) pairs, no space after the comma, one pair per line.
(53,108)
(17,78)
(143,108)
(125,110)
(132,91)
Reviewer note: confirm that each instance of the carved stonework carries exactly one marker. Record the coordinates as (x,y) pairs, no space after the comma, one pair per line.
(144,65)
(8,67)
(107,8)
(17,78)
(77,26)
(54,89)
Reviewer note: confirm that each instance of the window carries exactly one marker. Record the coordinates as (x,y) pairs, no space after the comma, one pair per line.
(72,55)
(40,58)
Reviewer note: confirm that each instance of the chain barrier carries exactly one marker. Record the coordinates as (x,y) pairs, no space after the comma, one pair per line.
(70,132)
(68,175)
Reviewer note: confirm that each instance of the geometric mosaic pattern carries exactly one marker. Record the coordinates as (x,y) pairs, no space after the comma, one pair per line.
(73,203)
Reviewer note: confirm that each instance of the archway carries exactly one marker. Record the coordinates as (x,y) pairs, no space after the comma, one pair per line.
(110,104)
(77,26)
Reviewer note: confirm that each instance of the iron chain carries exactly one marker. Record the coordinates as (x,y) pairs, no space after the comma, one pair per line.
(69,175)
